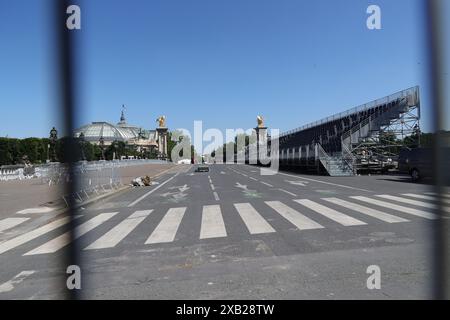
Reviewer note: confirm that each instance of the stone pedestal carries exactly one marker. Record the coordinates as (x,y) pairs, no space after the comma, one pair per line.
(162,142)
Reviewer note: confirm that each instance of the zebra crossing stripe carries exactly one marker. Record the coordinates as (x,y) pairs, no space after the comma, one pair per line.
(254,222)
(9,223)
(420,196)
(26,237)
(64,239)
(296,218)
(389,205)
(332,214)
(445,195)
(168,227)
(120,231)
(389,218)
(412,202)
(212,223)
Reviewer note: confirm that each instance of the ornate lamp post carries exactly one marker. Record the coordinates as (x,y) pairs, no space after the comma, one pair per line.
(81,143)
(53,139)
(102,146)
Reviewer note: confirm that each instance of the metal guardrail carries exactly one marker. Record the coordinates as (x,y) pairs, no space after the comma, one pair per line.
(414,91)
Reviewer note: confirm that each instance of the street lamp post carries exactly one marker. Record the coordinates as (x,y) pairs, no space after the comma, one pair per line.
(52,145)
(102,147)
(81,143)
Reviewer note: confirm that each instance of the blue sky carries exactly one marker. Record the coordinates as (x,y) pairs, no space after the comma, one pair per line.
(220,61)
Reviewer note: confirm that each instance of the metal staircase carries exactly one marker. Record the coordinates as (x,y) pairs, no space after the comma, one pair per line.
(336,166)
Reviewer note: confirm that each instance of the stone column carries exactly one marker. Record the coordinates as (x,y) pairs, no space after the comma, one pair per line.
(261,139)
(162,142)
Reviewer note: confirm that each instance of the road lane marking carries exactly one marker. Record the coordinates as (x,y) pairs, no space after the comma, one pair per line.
(297,183)
(332,214)
(412,202)
(212,187)
(293,216)
(254,179)
(216,196)
(290,193)
(9,285)
(212,223)
(168,227)
(267,184)
(446,195)
(35,210)
(389,205)
(151,191)
(366,210)
(255,223)
(9,223)
(64,239)
(324,182)
(120,231)
(26,237)
(420,196)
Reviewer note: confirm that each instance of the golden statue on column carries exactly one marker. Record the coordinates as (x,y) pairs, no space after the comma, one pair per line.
(260,121)
(162,121)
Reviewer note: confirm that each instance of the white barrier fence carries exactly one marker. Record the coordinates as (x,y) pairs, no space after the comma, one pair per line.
(92,178)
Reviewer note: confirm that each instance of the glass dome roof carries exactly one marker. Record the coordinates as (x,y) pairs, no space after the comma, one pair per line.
(109,132)
(120,132)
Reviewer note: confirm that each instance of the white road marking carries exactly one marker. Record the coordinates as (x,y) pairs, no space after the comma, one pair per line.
(446,195)
(297,183)
(389,205)
(9,285)
(36,210)
(420,196)
(290,193)
(254,179)
(216,196)
(324,182)
(212,187)
(332,214)
(168,227)
(212,223)
(366,210)
(24,238)
(9,223)
(255,223)
(412,202)
(64,239)
(241,186)
(296,218)
(120,231)
(267,184)
(151,191)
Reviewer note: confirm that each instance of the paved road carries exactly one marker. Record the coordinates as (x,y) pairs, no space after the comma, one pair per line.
(233,234)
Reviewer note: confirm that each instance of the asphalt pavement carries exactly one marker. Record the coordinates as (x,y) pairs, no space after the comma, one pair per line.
(232,233)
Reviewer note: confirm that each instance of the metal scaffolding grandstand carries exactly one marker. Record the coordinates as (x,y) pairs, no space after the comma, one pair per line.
(367,137)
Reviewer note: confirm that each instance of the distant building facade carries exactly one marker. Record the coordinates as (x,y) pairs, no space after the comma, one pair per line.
(135,136)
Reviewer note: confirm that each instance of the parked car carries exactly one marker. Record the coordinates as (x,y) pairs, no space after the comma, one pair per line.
(416,162)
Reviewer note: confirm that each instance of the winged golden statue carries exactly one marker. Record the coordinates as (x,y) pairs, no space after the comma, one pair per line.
(260,121)
(162,121)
